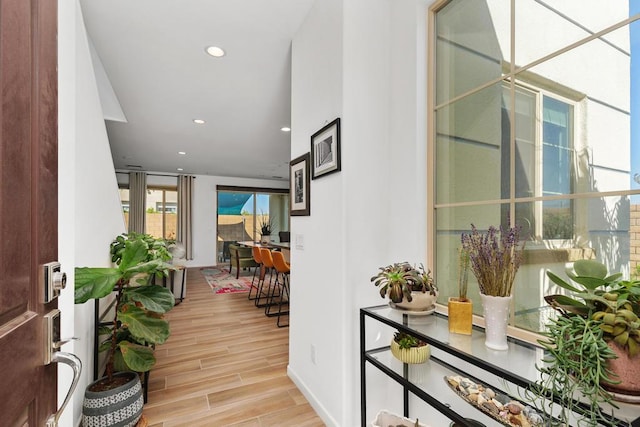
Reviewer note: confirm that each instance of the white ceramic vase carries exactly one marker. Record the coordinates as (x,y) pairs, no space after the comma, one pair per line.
(496,316)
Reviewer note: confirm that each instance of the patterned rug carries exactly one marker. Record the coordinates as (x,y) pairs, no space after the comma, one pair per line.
(221,282)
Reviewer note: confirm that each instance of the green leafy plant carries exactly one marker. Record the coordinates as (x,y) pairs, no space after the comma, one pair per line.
(398,280)
(405,340)
(138,323)
(606,299)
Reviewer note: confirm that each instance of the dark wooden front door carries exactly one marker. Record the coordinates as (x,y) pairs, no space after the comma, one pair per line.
(28,205)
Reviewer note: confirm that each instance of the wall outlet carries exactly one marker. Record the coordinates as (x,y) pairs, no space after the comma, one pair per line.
(313,354)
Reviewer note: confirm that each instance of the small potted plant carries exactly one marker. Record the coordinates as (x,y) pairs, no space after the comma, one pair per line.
(461,307)
(137,324)
(407,287)
(409,349)
(265,223)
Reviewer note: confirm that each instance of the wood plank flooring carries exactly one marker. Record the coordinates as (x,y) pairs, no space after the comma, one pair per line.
(225,364)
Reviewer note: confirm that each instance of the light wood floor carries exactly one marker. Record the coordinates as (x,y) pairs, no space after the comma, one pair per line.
(224,365)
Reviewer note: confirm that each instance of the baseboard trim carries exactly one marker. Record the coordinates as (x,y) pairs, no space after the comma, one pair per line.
(311,398)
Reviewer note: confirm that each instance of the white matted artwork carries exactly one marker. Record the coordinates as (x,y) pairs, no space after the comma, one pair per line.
(325,150)
(300,202)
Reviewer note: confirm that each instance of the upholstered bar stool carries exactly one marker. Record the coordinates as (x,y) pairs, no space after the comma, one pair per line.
(282,270)
(267,266)
(257,272)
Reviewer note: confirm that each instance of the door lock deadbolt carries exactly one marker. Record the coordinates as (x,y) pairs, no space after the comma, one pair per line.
(53,279)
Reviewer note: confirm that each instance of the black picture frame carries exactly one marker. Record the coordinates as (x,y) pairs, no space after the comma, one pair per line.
(299,182)
(325,150)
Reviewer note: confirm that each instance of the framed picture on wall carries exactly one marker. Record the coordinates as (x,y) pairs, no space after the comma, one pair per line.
(325,150)
(300,201)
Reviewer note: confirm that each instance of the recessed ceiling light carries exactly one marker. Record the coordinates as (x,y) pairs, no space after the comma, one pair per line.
(182,153)
(215,51)
(285,129)
(180,169)
(198,121)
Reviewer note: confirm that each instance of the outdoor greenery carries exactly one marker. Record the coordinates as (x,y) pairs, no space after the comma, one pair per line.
(398,280)
(495,257)
(138,323)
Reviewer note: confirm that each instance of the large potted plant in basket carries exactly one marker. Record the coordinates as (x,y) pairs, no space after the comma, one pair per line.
(137,325)
(592,346)
(407,287)
(494,257)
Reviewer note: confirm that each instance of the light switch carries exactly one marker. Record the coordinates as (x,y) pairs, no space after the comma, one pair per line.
(300,242)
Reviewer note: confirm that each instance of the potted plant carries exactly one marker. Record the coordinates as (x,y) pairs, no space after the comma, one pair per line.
(265,223)
(137,324)
(406,286)
(409,349)
(461,308)
(494,257)
(612,305)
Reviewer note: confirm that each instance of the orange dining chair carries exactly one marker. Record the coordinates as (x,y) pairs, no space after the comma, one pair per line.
(267,267)
(282,269)
(257,272)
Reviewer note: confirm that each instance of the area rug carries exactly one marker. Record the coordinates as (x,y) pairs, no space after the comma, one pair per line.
(221,282)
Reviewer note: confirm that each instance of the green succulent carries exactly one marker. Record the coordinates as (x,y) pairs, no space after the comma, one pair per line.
(405,340)
(398,280)
(607,299)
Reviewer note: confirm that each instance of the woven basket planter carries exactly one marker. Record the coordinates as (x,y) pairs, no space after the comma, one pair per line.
(410,355)
(121,406)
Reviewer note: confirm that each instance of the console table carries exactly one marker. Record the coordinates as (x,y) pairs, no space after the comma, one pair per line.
(453,354)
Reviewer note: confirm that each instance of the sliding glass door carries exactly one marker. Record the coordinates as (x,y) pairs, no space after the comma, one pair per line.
(241,212)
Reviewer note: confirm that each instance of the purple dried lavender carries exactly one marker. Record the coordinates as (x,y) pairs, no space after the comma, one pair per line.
(495,257)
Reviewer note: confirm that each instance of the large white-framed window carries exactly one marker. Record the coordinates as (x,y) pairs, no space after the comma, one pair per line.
(530,118)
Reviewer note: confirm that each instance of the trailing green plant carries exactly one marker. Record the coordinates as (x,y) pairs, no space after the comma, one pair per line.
(606,299)
(138,323)
(405,340)
(575,364)
(398,280)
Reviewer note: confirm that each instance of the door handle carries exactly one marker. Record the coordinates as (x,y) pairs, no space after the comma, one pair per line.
(53,354)
(74,362)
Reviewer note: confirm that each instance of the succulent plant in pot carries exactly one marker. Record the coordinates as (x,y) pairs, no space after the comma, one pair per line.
(406,286)
(613,305)
(591,346)
(461,308)
(138,323)
(409,349)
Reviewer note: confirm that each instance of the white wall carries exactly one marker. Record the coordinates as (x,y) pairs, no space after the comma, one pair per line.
(362,60)
(89,204)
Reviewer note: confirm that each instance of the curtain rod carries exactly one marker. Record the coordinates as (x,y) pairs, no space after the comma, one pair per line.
(123,171)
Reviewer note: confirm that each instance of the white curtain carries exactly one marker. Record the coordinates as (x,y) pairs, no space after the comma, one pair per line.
(185,198)
(137,201)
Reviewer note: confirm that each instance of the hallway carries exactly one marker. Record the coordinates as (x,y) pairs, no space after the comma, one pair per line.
(225,364)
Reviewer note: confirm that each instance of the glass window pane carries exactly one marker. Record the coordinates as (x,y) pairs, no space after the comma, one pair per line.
(472,44)
(571,21)
(469,145)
